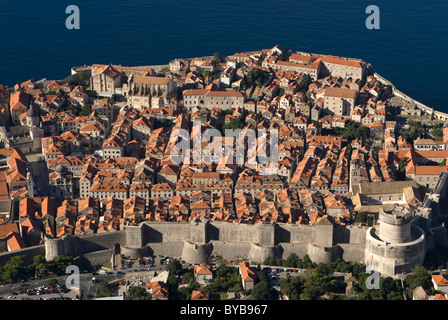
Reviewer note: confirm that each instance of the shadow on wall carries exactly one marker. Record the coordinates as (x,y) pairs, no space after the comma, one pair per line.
(213,232)
(153,234)
(282,235)
(341,235)
(84,246)
(83,263)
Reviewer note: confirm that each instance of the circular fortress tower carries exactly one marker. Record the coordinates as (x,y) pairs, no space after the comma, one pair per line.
(396,245)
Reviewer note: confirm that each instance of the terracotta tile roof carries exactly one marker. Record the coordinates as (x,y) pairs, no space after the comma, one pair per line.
(440,280)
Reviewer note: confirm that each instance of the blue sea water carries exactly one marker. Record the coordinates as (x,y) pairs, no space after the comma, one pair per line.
(410,49)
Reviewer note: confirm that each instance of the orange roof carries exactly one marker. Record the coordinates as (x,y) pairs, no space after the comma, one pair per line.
(340,92)
(14,241)
(198,295)
(341,61)
(246,273)
(205,270)
(429,170)
(440,280)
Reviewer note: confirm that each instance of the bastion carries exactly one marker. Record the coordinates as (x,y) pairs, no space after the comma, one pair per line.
(397,245)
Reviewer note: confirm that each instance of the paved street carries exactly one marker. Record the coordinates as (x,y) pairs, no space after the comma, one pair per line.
(39,169)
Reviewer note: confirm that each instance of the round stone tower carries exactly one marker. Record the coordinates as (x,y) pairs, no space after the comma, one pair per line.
(397,245)
(395,226)
(54,247)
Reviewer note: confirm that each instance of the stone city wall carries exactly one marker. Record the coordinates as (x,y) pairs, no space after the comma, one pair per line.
(196,241)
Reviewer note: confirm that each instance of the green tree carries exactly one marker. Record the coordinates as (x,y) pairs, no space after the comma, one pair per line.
(217,58)
(305,82)
(174,267)
(103,290)
(292,287)
(391,289)
(80,75)
(281,92)
(256,77)
(262,291)
(139,293)
(52,283)
(86,110)
(291,260)
(401,174)
(419,277)
(39,267)
(362,217)
(234,123)
(437,133)
(173,287)
(60,264)
(316,285)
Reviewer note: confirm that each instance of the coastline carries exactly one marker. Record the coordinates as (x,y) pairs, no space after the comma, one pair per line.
(438,115)
(428,110)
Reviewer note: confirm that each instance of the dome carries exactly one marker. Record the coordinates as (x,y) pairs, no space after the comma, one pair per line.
(59,169)
(32,112)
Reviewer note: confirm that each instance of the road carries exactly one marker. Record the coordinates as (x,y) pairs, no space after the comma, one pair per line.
(89,287)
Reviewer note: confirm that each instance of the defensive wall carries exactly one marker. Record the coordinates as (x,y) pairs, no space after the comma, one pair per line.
(196,241)
(396,249)
(428,110)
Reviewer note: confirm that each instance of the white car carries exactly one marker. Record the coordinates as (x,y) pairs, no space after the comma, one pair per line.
(11,297)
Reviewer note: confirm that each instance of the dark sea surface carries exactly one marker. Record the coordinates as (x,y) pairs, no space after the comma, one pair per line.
(410,49)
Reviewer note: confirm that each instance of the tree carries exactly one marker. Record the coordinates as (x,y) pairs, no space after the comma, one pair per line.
(39,267)
(324,268)
(80,75)
(391,289)
(256,77)
(292,287)
(52,283)
(316,285)
(223,271)
(234,123)
(305,83)
(401,174)
(419,277)
(281,92)
(139,293)
(217,58)
(103,290)
(165,70)
(291,260)
(174,267)
(159,123)
(262,291)
(86,110)
(14,270)
(60,264)
(437,133)
(173,285)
